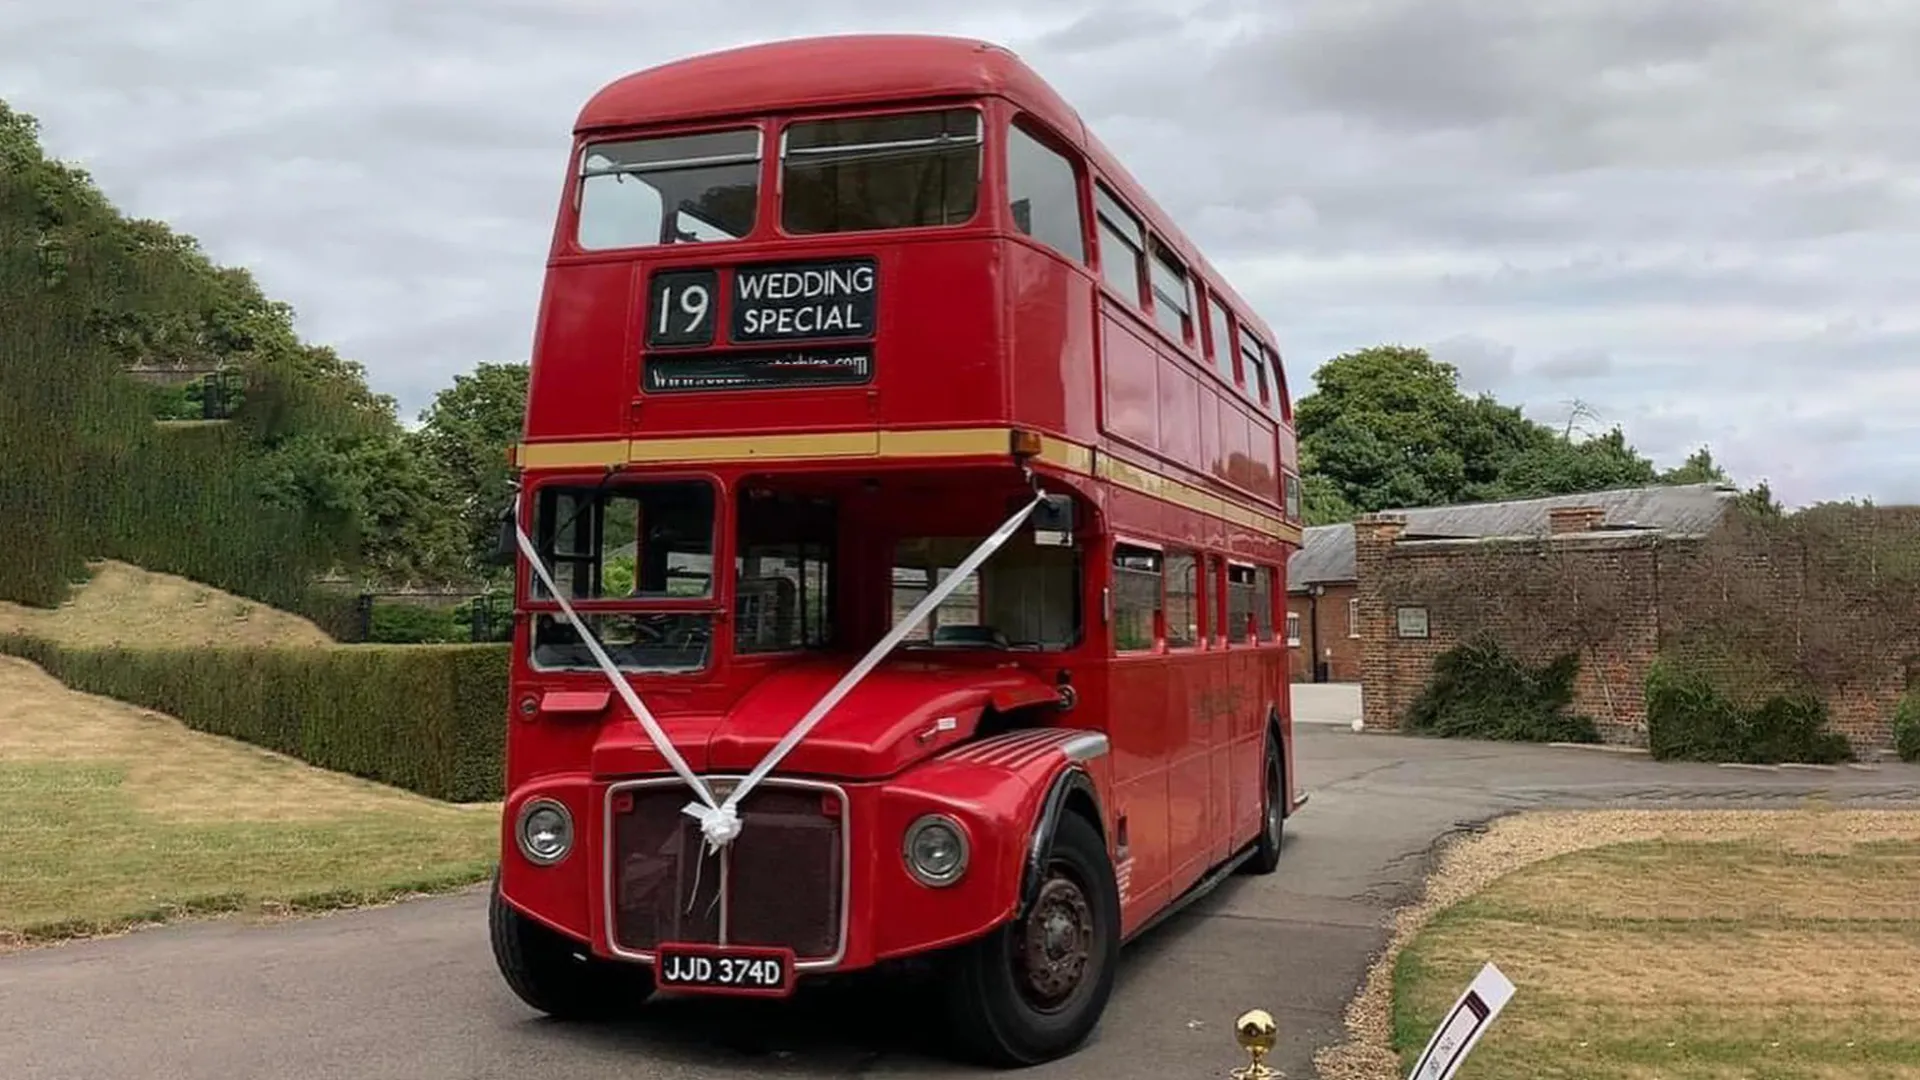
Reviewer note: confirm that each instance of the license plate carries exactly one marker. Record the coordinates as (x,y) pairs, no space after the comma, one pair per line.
(724,969)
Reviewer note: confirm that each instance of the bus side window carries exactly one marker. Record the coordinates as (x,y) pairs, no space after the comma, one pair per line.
(1222,338)
(1263,603)
(1136,597)
(1183,600)
(1044,194)
(1122,243)
(1251,355)
(1172,295)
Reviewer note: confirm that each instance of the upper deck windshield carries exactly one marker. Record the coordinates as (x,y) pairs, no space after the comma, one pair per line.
(898,170)
(673,189)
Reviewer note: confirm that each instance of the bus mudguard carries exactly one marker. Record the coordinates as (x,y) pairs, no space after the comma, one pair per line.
(1006,795)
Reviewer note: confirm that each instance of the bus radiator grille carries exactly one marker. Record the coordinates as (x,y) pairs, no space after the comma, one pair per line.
(785,876)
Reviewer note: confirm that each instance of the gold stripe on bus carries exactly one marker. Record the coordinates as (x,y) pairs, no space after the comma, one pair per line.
(947,442)
(724,448)
(1166,489)
(570,455)
(938,442)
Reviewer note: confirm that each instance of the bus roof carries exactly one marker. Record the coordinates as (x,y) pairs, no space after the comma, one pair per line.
(850,70)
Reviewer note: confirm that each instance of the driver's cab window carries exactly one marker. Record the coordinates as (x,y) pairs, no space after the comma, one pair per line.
(629,543)
(1026,596)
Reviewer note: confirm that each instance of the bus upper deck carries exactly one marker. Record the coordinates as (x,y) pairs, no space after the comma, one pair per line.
(888,247)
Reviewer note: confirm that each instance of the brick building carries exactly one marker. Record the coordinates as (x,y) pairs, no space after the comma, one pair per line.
(1323,627)
(1521,571)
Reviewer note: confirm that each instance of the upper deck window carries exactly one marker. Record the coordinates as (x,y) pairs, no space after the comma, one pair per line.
(1253,358)
(674,189)
(1222,339)
(1122,242)
(1044,194)
(1172,294)
(902,171)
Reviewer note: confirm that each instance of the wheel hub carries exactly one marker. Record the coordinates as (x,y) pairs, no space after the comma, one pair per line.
(1058,941)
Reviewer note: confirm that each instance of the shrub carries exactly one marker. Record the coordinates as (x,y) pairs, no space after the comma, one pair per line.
(1477,691)
(427,718)
(1906,727)
(417,624)
(1690,719)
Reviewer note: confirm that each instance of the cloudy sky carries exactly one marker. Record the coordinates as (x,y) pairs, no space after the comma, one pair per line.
(1699,219)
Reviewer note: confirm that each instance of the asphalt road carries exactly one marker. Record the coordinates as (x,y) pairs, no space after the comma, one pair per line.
(410,991)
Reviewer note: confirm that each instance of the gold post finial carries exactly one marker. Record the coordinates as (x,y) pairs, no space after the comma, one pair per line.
(1256,1034)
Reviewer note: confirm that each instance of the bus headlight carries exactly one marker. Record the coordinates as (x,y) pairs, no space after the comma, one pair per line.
(545,831)
(936,850)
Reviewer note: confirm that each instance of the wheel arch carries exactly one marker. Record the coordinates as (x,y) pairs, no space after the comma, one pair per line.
(1071,791)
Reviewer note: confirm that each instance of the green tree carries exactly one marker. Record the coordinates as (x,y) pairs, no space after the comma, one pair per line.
(1389,426)
(466,433)
(315,468)
(1699,468)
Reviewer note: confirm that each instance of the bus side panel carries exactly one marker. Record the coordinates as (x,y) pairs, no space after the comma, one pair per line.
(1235,449)
(1140,749)
(1130,382)
(580,382)
(1189,765)
(1050,365)
(1179,437)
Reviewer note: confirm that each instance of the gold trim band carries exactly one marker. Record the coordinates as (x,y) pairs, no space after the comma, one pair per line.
(919,443)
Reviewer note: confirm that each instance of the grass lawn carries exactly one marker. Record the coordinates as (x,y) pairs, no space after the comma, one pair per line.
(1759,946)
(115,816)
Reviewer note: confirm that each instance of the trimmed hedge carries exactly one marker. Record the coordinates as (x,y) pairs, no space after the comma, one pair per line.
(428,718)
(1478,691)
(1690,719)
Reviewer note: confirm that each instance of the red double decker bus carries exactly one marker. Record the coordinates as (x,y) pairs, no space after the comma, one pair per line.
(903,518)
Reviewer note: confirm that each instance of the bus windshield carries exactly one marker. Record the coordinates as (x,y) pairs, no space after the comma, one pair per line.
(626,541)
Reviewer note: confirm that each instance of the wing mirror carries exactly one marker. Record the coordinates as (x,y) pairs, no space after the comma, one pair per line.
(1052,521)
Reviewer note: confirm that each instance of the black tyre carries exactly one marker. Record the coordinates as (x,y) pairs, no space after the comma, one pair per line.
(1273,815)
(557,975)
(1034,989)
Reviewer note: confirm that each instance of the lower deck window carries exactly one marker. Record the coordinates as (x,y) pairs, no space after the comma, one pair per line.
(1249,597)
(626,541)
(1026,596)
(783,584)
(1136,596)
(1183,600)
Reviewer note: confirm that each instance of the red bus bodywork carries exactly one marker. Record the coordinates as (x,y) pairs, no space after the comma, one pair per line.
(951,367)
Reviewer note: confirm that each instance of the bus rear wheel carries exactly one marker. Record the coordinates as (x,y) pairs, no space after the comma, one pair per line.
(556,975)
(1033,989)
(1273,815)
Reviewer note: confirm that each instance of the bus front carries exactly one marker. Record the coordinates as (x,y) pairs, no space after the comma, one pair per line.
(800,609)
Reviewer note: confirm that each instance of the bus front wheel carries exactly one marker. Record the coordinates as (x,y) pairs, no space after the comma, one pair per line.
(557,976)
(1033,989)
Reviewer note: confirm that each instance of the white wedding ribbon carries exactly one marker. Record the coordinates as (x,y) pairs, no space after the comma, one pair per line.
(721,823)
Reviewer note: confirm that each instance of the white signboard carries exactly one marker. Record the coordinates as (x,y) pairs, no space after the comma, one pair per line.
(1463,1026)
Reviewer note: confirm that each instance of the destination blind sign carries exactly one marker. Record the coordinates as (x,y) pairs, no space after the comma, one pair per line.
(782,369)
(796,301)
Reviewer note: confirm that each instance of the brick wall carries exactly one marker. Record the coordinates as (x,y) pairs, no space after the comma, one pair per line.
(1339,649)
(1832,602)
